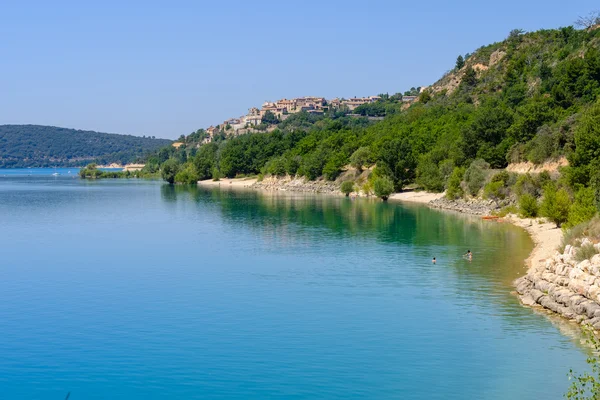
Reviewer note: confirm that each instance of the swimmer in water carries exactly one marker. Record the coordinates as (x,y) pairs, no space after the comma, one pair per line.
(469,255)
(433,261)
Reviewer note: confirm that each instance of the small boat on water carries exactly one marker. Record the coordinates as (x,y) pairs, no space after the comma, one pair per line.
(490,217)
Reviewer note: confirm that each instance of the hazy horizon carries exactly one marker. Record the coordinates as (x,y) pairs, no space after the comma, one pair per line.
(146,69)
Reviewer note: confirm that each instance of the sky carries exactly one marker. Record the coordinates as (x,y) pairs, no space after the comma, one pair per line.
(169,68)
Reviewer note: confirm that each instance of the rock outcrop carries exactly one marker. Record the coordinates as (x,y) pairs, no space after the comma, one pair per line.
(565,286)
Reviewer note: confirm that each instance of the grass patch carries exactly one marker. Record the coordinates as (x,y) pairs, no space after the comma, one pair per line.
(585,252)
(589,229)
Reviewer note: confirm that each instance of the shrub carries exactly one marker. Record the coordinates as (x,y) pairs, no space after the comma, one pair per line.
(589,229)
(475,176)
(494,190)
(453,188)
(187,174)
(383,187)
(528,206)
(360,158)
(526,185)
(585,252)
(347,187)
(216,174)
(446,169)
(276,167)
(556,204)
(503,212)
(583,208)
(367,188)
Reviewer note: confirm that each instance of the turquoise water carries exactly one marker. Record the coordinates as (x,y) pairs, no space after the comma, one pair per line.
(131,289)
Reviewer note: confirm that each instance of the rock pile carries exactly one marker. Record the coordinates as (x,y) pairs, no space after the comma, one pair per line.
(565,286)
(471,206)
(297,185)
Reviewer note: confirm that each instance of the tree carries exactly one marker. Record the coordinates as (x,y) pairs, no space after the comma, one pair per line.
(555,204)
(347,188)
(588,21)
(460,62)
(270,118)
(169,170)
(528,206)
(453,188)
(584,207)
(360,158)
(470,77)
(475,176)
(383,187)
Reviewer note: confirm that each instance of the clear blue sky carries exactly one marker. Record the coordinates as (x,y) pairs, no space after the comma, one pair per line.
(169,68)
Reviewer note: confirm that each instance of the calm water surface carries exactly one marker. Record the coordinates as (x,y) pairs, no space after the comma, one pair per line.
(138,290)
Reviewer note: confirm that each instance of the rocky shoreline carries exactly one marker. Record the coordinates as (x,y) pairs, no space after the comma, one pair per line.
(565,286)
(471,206)
(297,185)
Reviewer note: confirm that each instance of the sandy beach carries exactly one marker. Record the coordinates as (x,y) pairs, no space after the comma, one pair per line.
(235,182)
(416,197)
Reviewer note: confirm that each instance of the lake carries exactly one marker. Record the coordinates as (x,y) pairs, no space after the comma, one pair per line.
(133,289)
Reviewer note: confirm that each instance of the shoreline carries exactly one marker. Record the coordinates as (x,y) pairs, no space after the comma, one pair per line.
(545,236)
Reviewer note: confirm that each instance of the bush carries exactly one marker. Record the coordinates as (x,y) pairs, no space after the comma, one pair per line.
(556,204)
(528,206)
(494,190)
(216,174)
(589,229)
(584,207)
(453,188)
(367,188)
(383,187)
(347,187)
(527,185)
(585,252)
(503,212)
(276,167)
(360,158)
(187,174)
(475,176)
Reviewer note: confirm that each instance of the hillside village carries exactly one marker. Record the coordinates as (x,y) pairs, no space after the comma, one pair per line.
(259,119)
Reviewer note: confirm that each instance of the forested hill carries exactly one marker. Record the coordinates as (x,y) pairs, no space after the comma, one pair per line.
(533,96)
(49,146)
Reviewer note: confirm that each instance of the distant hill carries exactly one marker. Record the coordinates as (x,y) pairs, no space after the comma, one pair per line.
(50,146)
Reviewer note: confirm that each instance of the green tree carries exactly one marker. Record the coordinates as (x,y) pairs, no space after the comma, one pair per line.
(360,158)
(169,169)
(453,188)
(270,118)
(383,187)
(555,204)
(583,208)
(528,206)
(460,62)
(187,174)
(475,176)
(347,187)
